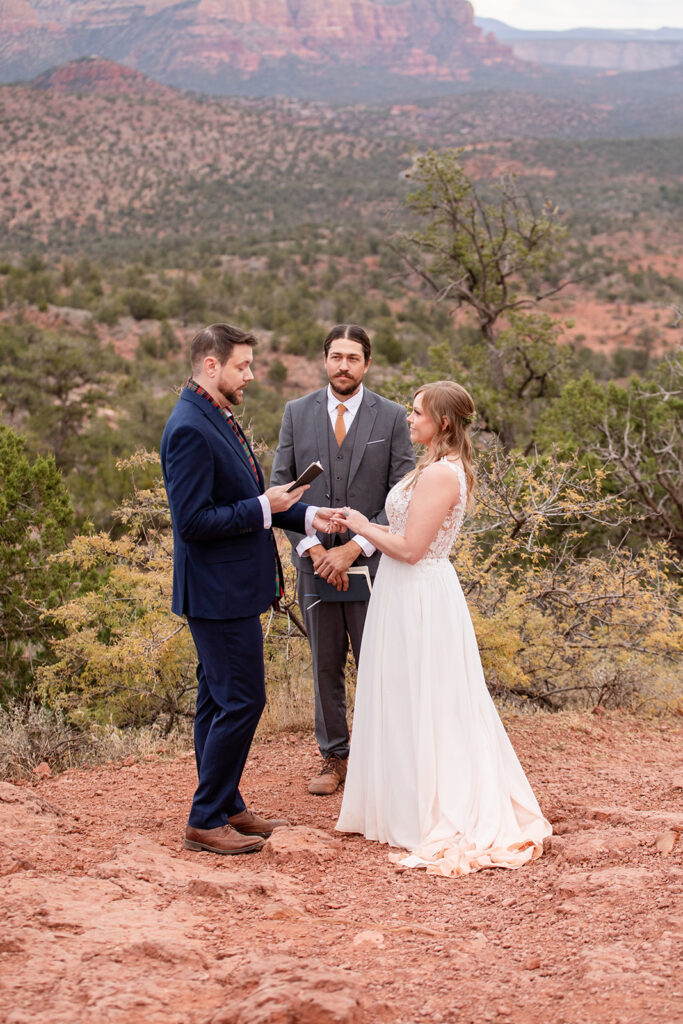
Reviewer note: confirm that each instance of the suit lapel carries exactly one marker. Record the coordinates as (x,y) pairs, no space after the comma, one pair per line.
(241,449)
(322,434)
(366,416)
(216,418)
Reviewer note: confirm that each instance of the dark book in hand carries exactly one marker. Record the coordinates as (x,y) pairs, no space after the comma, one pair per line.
(360,586)
(309,474)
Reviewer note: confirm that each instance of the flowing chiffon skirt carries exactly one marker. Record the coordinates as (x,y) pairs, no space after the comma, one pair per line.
(431,769)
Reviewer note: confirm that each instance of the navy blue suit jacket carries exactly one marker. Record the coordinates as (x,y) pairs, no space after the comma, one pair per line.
(223,558)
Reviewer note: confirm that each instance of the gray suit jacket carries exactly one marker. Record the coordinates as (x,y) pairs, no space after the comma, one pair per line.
(382,455)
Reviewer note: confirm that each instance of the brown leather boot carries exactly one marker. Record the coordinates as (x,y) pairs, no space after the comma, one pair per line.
(332,774)
(224,839)
(249,824)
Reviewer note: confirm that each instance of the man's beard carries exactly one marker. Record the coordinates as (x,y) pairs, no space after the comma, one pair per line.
(232,397)
(344,385)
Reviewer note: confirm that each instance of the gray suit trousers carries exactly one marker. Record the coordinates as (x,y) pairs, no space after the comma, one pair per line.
(330,625)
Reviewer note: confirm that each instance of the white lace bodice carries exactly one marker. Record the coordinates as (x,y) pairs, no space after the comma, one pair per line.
(398,503)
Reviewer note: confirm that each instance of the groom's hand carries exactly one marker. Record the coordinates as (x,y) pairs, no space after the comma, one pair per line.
(280,499)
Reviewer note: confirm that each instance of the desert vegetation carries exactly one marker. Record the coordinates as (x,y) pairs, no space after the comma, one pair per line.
(542,268)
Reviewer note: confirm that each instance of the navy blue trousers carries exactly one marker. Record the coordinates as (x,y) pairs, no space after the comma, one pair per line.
(231,696)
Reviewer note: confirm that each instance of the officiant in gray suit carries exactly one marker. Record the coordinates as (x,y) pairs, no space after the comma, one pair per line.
(363,444)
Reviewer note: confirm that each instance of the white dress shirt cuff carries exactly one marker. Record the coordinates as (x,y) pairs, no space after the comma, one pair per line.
(311,537)
(267,512)
(304,545)
(311,513)
(367,548)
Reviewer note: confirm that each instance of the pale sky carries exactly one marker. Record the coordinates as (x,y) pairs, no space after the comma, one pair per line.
(548,14)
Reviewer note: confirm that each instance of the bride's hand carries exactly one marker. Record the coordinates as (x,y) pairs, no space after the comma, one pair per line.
(350,519)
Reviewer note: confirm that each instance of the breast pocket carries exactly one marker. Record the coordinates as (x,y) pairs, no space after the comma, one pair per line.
(375,452)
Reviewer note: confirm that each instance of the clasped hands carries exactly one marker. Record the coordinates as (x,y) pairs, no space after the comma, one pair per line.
(340,520)
(330,563)
(333,563)
(280,498)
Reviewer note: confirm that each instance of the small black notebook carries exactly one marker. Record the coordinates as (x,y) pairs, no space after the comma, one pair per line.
(360,586)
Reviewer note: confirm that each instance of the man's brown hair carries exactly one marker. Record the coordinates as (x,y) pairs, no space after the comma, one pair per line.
(217,340)
(353,333)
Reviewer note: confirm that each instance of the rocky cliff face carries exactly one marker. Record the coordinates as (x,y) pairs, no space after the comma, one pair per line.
(190,41)
(610,49)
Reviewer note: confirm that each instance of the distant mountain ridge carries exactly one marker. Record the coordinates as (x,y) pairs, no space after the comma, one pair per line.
(219,45)
(600,48)
(98,156)
(505,32)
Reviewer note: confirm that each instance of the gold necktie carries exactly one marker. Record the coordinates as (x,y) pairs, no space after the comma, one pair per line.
(339,428)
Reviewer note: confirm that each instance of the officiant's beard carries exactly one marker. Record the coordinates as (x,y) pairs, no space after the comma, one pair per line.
(343,385)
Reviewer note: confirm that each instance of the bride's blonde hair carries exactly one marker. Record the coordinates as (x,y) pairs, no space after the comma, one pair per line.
(444,400)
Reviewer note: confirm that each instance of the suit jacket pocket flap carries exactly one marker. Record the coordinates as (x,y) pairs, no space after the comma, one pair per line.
(226,553)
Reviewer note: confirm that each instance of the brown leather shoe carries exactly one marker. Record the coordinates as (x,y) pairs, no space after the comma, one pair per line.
(249,824)
(332,774)
(224,839)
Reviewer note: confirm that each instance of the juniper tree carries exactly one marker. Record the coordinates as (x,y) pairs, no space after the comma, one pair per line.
(491,255)
(35,514)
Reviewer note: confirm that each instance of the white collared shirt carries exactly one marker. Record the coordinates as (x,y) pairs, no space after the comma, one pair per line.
(352,405)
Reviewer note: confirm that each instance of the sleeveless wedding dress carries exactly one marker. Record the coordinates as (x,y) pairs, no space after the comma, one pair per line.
(431,769)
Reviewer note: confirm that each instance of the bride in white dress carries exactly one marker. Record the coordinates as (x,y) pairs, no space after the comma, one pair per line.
(431,769)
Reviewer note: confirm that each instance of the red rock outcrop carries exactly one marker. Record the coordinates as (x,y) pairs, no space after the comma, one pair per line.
(240,38)
(97,75)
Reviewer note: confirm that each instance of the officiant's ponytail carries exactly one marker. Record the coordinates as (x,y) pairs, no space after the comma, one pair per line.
(451,409)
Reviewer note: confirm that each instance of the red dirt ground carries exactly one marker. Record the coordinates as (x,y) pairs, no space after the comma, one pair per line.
(106,918)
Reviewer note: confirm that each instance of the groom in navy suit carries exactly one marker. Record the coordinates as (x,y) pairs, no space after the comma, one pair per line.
(226,572)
